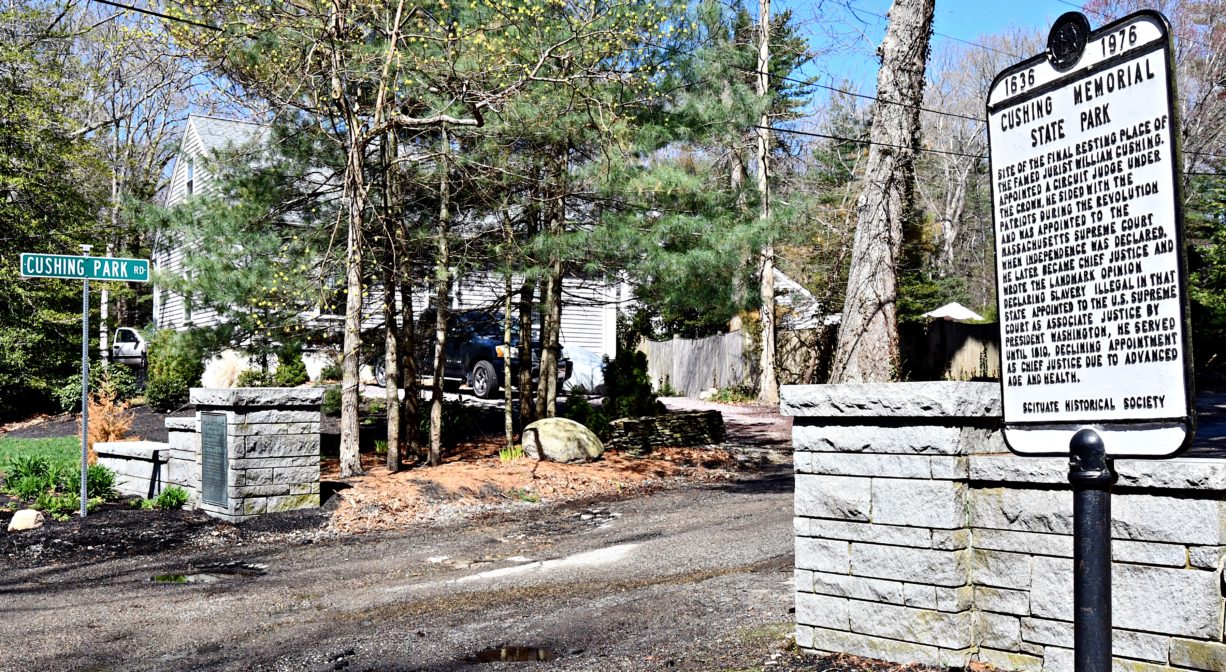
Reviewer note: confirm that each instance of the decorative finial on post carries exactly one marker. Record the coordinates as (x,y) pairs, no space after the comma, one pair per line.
(1067,40)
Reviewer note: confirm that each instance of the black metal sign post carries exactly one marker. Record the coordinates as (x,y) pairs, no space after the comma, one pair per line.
(1091,474)
(1090,274)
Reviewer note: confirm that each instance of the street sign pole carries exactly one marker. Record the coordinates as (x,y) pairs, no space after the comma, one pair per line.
(84,268)
(85,387)
(1091,474)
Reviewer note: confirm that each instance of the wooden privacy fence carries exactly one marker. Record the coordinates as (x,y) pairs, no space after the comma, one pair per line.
(693,365)
(944,350)
(937,350)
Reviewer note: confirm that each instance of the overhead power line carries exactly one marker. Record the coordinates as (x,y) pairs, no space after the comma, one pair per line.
(150,12)
(870,12)
(863,141)
(925,150)
(858,95)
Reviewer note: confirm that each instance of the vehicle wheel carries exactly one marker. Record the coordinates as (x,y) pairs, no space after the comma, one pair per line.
(381,372)
(485,380)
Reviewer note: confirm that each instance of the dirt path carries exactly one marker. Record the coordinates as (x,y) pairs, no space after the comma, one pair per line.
(749,425)
(696,577)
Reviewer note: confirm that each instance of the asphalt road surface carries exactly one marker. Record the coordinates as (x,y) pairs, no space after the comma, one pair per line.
(692,579)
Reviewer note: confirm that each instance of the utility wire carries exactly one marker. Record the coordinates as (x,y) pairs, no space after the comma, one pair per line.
(868,142)
(804,82)
(855,9)
(921,149)
(858,95)
(150,12)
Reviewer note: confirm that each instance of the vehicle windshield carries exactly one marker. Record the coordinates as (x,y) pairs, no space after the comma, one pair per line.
(490,325)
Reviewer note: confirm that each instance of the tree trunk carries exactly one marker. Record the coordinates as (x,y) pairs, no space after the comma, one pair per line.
(867,349)
(736,183)
(391,363)
(355,203)
(391,327)
(442,298)
(508,412)
(527,409)
(104,299)
(768,384)
(410,414)
(351,462)
(547,392)
(542,389)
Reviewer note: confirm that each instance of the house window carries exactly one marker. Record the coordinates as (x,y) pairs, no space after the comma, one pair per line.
(191,176)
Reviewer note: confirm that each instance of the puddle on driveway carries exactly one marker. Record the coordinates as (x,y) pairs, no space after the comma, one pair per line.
(211,574)
(513,654)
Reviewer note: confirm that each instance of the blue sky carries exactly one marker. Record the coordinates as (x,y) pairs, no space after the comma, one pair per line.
(858,26)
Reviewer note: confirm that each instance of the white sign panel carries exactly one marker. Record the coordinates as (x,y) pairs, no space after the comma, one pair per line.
(1088,246)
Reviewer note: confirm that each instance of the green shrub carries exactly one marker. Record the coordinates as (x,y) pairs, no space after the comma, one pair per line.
(173,497)
(459,421)
(30,478)
(21,466)
(176,363)
(332,400)
(99,482)
(332,372)
(666,389)
(118,378)
(60,507)
(736,394)
(291,370)
(254,378)
(578,409)
(29,487)
(628,387)
(27,477)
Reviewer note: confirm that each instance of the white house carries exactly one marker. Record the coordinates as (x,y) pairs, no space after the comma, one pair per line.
(589,315)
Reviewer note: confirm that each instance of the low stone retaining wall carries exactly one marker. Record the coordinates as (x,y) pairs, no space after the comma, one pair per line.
(919,537)
(691,428)
(183,444)
(141,467)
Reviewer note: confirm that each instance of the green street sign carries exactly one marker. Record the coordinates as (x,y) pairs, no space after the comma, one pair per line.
(83,268)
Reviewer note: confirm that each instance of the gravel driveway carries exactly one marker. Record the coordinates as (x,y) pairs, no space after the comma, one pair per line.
(692,579)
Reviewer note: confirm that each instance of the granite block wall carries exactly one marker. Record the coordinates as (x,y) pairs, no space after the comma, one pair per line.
(919,538)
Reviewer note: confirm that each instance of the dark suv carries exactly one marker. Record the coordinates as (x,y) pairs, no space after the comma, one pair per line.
(474,351)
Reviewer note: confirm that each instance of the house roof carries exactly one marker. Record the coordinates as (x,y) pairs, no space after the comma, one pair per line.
(955,312)
(217,134)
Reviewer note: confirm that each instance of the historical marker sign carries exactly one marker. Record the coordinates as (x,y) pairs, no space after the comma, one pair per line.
(1089,242)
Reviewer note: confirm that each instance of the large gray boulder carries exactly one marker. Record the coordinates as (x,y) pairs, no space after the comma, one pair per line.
(561,440)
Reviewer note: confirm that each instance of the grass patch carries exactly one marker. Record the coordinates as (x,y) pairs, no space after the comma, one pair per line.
(58,449)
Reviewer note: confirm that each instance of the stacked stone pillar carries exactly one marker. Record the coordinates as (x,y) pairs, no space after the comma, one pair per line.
(272,448)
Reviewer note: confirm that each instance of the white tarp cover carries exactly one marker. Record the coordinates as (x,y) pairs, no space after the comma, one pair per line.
(955,312)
